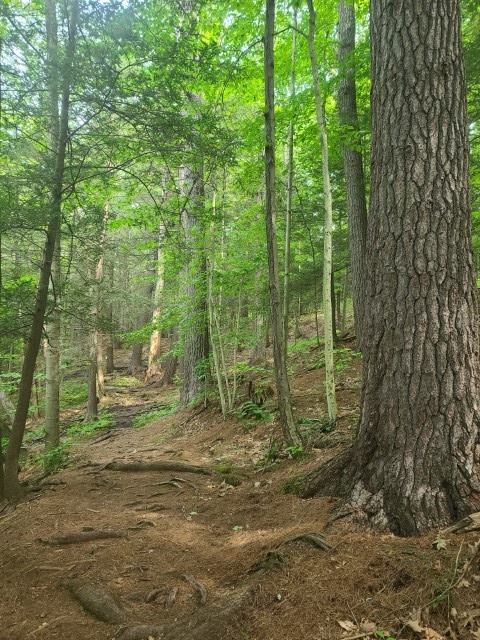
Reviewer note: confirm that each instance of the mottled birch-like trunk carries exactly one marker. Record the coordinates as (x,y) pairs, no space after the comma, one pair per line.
(328,226)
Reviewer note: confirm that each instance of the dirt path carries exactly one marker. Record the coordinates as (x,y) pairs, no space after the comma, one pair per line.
(191,547)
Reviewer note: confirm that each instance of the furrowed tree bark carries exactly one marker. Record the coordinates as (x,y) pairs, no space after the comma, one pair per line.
(289,428)
(414,465)
(352,161)
(195,324)
(171,362)
(12,487)
(329,335)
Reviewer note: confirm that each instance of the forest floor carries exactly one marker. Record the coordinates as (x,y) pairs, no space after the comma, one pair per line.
(206,556)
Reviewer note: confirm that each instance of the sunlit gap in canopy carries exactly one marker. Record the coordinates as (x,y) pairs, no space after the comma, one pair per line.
(115,3)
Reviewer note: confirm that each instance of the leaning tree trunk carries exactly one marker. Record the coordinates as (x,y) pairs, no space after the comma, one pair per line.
(413,466)
(59,123)
(352,161)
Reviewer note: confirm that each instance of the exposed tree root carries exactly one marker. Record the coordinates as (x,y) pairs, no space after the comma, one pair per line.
(157,465)
(273,561)
(106,436)
(168,483)
(193,415)
(208,623)
(198,586)
(313,538)
(98,602)
(139,632)
(332,479)
(164,595)
(170,597)
(469,523)
(82,536)
(156,506)
(153,595)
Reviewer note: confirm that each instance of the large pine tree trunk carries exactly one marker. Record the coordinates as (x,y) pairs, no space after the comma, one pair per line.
(352,161)
(413,466)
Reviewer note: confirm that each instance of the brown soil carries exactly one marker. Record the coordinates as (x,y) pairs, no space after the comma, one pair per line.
(197,546)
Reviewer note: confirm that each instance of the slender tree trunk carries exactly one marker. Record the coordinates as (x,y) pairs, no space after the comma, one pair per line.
(96,383)
(2,473)
(215,344)
(52,360)
(12,486)
(333,300)
(153,367)
(290,176)
(344,304)
(289,428)
(110,359)
(414,465)
(195,329)
(352,162)
(100,365)
(110,336)
(315,283)
(35,398)
(136,356)
(6,415)
(91,412)
(171,363)
(328,227)
(258,354)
